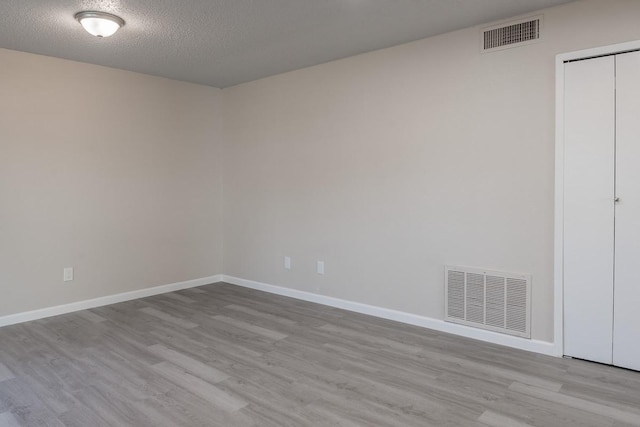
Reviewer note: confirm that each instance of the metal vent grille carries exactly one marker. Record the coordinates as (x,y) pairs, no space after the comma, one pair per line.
(492,300)
(517,33)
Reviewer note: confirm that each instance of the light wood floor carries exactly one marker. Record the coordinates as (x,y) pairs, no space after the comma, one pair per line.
(221,355)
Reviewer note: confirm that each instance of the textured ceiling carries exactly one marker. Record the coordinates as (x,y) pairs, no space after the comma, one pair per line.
(221,43)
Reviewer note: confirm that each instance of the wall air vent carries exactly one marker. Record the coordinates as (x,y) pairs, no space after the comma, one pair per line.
(491,300)
(512,34)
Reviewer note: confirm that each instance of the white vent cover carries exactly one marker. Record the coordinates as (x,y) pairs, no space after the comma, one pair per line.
(492,300)
(512,34)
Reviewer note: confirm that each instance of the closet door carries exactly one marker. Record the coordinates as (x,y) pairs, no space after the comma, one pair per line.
(626,325)
(588,208)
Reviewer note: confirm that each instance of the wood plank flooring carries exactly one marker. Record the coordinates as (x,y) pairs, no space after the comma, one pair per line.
(221,355)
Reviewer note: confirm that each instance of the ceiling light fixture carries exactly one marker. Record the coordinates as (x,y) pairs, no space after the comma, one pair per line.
(99,24)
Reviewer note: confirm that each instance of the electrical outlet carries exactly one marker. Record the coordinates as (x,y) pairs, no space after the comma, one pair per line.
(287,263)
(67,274)
(320,267)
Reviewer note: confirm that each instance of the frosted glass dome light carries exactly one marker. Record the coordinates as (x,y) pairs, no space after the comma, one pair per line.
(100,24)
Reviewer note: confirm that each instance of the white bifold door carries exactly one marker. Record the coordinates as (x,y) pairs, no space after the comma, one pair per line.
(601,229)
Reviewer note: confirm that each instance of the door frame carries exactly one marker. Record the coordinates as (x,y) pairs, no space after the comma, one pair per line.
(558,262)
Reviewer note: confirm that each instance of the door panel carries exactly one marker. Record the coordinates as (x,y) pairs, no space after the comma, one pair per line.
(589,209)
(626,326)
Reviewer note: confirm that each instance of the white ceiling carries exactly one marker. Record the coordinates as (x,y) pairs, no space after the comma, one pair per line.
(222,43)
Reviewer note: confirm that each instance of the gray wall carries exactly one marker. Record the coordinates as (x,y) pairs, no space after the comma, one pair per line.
(391,164)
(114,173)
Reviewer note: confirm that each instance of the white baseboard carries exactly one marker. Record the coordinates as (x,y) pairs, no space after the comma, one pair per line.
(535,346)
(109,299)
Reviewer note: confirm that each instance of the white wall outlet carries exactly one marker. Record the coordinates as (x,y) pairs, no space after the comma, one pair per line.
(67,274)
(287,263)
(320,267)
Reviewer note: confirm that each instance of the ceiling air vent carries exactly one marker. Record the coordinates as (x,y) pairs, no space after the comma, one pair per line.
(512,34)
(491,300)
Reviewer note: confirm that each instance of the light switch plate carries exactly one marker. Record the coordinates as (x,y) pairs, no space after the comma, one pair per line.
(320,267)
(67,274)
